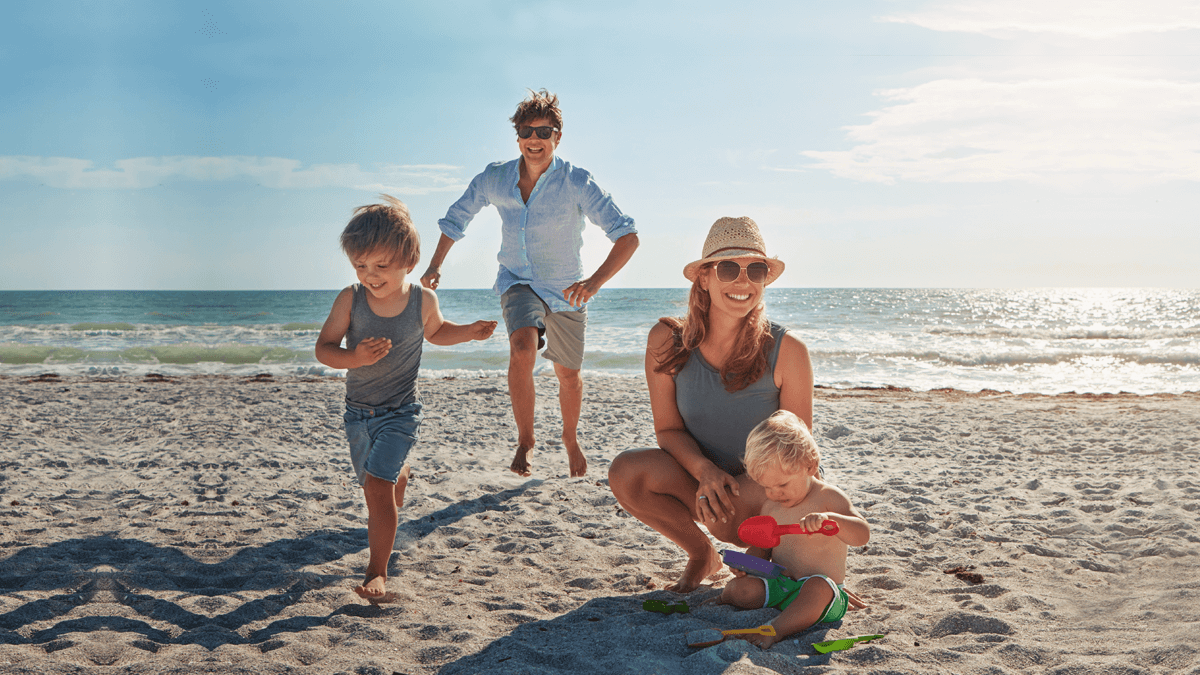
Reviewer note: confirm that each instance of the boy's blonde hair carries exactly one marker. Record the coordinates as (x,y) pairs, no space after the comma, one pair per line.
(386,227)
(781,439)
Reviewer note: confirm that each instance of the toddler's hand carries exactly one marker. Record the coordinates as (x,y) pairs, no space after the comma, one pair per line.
(812,522)
(370,350)
(482,330)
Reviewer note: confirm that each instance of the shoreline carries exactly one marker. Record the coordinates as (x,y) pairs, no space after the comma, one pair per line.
(204,524)
(546,374)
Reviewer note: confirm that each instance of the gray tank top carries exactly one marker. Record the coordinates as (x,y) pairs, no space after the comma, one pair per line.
(391,381)
(720,420)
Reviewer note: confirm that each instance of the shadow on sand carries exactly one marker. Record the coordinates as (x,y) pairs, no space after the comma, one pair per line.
(121,582)
(615,635)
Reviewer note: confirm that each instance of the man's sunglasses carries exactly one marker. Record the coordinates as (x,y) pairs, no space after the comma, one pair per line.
(728,270)
(542,132)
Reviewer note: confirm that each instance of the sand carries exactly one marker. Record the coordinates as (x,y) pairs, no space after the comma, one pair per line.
(211,525)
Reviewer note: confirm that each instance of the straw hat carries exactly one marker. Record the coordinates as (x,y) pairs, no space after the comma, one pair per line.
(734,238)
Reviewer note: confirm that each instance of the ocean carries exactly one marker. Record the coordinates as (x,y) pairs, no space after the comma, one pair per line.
(1047,341)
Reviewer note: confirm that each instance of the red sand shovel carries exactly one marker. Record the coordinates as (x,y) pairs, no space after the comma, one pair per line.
(764,532)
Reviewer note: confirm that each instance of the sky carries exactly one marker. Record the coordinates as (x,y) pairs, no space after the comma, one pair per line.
(968,143)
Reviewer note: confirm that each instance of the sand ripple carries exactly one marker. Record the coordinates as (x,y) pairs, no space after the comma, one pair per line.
(209,524)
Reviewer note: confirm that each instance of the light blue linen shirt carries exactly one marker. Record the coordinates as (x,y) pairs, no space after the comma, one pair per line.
(541,238)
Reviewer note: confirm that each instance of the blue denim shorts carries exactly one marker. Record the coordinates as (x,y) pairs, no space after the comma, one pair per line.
(380,439)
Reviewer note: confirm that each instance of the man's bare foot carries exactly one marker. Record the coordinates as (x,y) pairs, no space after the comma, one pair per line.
(402,485)
(374,590)
(575,457)
(696,571)
(520,464)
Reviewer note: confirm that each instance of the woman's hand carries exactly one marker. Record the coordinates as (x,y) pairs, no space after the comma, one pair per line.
(713,501)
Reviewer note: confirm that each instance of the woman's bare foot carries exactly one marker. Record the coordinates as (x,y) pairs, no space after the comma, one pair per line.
(402,485)
(374,590)
(575,458)
(696,571)
(520,464)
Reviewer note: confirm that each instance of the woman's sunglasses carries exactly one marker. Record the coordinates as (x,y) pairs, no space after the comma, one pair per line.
(728,270)
(542,132)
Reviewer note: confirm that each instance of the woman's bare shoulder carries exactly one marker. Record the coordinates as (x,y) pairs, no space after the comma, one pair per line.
(660,334)
(791,346)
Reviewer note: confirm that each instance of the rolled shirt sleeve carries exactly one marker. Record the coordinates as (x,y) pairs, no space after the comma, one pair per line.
(599,207)
(461,212)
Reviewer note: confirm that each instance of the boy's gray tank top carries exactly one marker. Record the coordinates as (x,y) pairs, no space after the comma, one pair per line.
(720,420)
(391,381)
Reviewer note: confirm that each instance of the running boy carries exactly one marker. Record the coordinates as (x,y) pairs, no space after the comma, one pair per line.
(782,456)
(385,320)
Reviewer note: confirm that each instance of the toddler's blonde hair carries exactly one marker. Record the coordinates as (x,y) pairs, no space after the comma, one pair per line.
(782,439)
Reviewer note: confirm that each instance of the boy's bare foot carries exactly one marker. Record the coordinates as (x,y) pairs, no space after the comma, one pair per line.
(696,571)
(402,485)
(386,598)
(520,464)
(575,457)
(374,590)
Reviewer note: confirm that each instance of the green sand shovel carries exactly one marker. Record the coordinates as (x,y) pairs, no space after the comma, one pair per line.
(664,608)
(838,645)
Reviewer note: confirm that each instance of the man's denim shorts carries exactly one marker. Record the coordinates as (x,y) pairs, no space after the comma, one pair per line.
(380,439)
(563,331)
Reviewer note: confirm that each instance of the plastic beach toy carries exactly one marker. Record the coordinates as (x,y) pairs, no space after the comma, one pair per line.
(663,608)
(764,532)
(752,564)
(708,637)
(846,643)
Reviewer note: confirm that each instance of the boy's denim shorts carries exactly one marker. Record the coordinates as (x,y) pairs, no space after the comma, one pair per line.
(380,439)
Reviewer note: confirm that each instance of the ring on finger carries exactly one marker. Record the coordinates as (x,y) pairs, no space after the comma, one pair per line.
(703,496)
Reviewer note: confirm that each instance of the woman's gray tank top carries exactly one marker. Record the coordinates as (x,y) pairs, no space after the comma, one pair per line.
(391,381)
(720,420)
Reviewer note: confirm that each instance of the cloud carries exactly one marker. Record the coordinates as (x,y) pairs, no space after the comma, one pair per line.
(274,172)
(1095,19)
(1064,131)
(782,220)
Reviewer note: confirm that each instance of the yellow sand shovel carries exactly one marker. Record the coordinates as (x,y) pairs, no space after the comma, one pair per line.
(708,637)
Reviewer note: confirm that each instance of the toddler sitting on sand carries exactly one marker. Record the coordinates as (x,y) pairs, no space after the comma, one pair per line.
(385,320)
(782,456)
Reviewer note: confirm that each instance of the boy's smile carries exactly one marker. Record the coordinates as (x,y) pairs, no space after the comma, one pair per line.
(380,273)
